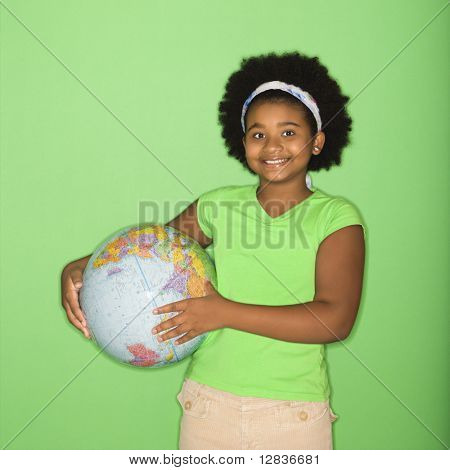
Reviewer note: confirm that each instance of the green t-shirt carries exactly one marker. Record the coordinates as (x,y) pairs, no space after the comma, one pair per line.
(265,261)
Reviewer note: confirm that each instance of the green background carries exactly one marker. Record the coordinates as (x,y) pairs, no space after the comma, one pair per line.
(73,172)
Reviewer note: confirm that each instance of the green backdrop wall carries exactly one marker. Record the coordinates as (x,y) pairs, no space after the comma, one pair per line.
(107,105)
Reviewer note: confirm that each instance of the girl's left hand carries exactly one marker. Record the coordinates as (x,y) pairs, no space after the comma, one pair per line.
(198,315)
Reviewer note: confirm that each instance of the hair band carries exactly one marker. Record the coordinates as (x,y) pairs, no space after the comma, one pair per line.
(295,91)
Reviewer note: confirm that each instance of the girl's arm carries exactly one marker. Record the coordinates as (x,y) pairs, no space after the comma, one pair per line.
(72,274)
(187,222)
(331,314)
(328,318)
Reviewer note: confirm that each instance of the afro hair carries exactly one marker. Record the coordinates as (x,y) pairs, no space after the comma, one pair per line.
(299,70)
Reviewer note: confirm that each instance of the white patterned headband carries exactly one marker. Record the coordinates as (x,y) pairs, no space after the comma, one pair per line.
(300,94)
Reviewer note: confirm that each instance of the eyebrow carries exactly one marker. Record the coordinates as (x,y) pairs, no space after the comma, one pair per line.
(284,123)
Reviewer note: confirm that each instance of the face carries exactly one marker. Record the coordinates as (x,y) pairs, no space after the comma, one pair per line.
(278,142)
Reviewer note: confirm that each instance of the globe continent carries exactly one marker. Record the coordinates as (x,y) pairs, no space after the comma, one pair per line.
(134,271)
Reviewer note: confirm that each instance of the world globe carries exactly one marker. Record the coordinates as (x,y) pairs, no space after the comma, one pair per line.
(136,270)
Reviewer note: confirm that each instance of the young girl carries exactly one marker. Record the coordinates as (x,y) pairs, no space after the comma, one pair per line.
(289,261)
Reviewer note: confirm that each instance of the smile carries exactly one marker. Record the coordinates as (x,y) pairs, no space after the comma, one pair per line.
(276,163)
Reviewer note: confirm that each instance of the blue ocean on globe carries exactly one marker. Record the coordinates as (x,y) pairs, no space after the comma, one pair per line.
(134,271)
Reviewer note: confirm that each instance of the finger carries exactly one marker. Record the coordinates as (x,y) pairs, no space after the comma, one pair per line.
(165,325)
(75,284)
(78,325)
(187,337)
(74,303)
(77,278)
(173,307)
(177,331)
(74,320)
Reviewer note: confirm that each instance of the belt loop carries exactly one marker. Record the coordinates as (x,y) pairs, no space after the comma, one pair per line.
(194,386)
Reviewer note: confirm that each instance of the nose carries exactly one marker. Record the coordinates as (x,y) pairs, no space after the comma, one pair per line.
(273,144)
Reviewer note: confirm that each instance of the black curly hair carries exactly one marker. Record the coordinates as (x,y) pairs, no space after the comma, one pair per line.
(296,69)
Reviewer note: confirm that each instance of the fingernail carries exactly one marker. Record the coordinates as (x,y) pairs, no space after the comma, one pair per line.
(154,330)
(155,310)
(78,285)
(160,338)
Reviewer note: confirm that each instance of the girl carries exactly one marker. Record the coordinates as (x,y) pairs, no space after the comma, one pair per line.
(289,261)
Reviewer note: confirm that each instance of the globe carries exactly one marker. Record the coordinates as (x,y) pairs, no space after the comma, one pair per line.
(134,271)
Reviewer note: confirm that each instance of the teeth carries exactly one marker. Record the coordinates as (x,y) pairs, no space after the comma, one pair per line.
(276,162)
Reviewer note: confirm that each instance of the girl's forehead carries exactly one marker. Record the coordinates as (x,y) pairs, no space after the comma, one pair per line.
(274,110)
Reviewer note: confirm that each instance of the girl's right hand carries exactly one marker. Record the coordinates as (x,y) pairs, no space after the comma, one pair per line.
(71,282)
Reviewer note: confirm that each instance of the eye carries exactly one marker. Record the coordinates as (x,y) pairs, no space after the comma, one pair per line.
(261,134)
(257,133)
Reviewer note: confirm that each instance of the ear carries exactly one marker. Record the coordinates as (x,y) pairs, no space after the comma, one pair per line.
(319,140)
(243,141)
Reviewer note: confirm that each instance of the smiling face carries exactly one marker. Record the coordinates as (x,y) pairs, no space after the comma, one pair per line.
(278,142)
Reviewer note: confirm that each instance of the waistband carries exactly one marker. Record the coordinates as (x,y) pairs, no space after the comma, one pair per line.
(242,402)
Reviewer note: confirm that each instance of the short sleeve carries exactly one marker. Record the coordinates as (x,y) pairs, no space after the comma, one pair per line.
(207,211)
(340,215)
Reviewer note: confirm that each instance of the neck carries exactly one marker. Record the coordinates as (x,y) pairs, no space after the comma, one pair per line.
(278,197)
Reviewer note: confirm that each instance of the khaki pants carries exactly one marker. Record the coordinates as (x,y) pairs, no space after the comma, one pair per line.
(215,419)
